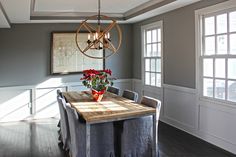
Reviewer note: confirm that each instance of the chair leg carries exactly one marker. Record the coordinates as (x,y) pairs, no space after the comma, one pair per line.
(69,153)
(111,154)
(59,124)
(59,139)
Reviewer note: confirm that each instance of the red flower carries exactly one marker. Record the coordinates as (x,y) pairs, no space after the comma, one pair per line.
(101,77)
(108,71)
(91,72)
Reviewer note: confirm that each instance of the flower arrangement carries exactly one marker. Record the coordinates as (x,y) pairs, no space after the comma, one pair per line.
(97,80)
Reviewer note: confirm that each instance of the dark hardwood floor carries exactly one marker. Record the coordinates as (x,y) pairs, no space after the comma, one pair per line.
(176,143)
(39,139)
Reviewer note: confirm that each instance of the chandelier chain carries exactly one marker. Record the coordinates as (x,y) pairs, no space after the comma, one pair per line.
(99,12)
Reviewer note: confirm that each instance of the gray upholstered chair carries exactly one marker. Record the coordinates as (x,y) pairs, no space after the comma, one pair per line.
(136,137)
(101,137)
(59,93)
(130,95)
(64,131)
(113,90)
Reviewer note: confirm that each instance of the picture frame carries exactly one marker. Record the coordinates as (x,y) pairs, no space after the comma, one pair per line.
(66,57)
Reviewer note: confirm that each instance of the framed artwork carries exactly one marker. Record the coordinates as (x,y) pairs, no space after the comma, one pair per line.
(66,57)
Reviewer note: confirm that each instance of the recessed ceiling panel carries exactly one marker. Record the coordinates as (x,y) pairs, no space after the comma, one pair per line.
(3,21)
(107,6)
(17,11)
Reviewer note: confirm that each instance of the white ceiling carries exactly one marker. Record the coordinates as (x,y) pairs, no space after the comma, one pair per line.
(68,11)
(108,6)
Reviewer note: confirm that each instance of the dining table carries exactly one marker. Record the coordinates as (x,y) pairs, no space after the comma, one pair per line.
(111,108)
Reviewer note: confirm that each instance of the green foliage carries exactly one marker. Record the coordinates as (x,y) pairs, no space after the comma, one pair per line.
(97,80)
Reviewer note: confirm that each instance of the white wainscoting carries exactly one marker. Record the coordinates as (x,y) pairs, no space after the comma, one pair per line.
(39,101)
(181,108)
(213,122)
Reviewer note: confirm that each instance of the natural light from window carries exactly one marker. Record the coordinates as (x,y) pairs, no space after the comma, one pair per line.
(218,56)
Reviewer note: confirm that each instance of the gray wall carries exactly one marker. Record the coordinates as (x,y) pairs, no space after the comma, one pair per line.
(25,50)
(179,44)
(25,54)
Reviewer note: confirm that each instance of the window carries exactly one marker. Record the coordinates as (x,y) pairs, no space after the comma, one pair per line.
(152,54)
(218,55)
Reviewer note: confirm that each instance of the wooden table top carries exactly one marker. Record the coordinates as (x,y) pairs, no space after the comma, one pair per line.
(111,108)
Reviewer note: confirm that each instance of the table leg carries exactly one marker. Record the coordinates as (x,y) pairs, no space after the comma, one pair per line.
(154,141)
(87,140)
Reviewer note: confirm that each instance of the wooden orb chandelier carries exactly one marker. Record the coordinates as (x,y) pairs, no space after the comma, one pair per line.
(99,36)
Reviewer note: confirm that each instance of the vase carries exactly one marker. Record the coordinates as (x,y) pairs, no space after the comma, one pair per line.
(97,95)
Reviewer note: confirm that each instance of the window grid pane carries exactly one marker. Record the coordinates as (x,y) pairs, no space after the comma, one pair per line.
(232,91)
(221,44)
(210,25)
(147,78)
(220,68)
(232,21)
(232,68)
(220,89)
(148,50)
(208,87)
(221,23)
(158,79)
(147,64)
(208,67)
(153,79)
(153,65)
(232,43)
(149,37)
(210,45)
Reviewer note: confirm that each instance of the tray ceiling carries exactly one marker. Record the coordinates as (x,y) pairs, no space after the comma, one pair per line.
(74,11)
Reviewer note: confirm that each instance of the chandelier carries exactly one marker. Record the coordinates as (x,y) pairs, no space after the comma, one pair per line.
(99,36)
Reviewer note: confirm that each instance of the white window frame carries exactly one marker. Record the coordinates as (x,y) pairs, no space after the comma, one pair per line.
(199,15)
(158,24)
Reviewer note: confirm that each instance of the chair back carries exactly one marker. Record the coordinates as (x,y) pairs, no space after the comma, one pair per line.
(113,90)
(152,102)
(59,93)
(130,95)
(77,133)
(64,123)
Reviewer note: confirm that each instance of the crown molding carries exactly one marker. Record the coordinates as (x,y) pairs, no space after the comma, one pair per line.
(148,6)
(69,15)
(122,17)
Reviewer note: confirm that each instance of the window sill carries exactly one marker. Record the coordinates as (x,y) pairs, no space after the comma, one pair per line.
(218,102)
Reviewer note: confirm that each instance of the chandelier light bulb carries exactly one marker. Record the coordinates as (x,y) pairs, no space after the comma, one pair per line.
(88,36)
